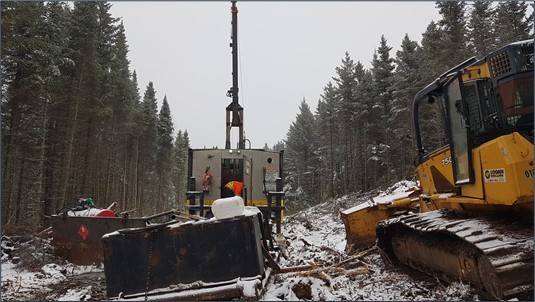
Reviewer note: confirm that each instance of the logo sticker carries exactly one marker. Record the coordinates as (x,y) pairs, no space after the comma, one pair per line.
(494,175)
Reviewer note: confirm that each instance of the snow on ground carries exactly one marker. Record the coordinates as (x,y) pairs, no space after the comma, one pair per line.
(314,238)
(317,236)
(30,272)
(21,284)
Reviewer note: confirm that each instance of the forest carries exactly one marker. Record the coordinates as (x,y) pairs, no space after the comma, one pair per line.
(359,137)
(75,123)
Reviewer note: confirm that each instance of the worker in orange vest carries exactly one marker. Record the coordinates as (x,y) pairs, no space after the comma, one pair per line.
(233,188)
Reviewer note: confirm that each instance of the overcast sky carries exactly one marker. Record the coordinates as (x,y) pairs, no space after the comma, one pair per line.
(288,51)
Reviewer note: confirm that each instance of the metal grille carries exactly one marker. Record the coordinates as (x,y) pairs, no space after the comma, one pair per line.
(527,51)
(500,64)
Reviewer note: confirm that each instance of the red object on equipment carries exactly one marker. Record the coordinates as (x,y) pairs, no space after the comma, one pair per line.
(106,213)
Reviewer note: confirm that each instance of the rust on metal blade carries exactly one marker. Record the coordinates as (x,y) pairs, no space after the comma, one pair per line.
(136,261)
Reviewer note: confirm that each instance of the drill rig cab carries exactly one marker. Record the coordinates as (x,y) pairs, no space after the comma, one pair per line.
(260,171)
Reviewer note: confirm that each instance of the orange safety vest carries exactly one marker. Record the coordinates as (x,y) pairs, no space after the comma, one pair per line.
(235,186)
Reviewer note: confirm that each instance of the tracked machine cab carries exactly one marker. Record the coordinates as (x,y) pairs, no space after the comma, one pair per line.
(487,106)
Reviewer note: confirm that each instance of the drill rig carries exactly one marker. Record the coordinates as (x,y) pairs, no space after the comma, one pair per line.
(259,170)
(197,256)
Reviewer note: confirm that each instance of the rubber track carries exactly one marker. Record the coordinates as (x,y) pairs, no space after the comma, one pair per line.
(507,244)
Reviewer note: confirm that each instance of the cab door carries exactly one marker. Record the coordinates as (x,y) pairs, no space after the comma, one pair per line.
(461,150)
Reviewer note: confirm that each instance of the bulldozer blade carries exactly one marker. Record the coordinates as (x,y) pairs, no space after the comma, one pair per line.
(143,259)
(360,220)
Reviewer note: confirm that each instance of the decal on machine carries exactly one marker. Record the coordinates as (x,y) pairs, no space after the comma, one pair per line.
(494,175)
(446,161)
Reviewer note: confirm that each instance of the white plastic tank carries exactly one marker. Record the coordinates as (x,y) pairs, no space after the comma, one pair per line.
(228,207)
(84,212)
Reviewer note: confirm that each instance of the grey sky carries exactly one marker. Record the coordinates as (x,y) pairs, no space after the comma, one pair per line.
(288,51)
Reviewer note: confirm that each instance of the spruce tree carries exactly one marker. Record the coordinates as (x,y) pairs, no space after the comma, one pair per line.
(328,129)
(433,62)
(300,144)
(166,191)
(346,108)
(382,71)
(454,29)
(135,129)
(58,22)
(180,166)
(481,35)
(279,146)
(408,81)
(367,126)
(26,71)
(511,22)
(122,100)
(148,145)
(82,105)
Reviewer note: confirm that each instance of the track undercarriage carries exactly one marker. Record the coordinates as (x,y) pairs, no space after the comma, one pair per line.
(493,254)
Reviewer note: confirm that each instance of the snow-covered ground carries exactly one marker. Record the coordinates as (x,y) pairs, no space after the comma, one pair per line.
(31,273)
(313,238)
(317,236)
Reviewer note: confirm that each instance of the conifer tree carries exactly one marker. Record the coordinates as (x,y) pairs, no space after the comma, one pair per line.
(81,103)
(116,115)
(408,81)
(454,29)
(366,126)
(72,122)
(180,166)
(346,107)
(166,189)
(135,126)
(58,22)
(433,62)
(279,146)
(480,28)
(328,126)
(511,23)
(300,144)
(148,144)
(25,74)
(382,71)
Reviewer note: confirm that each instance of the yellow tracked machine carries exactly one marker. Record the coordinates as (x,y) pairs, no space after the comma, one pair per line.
(471,219)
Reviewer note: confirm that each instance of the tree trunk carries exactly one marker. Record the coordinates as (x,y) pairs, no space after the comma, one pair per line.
(42,158)
(123,203)
(71,132)
(19,202)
